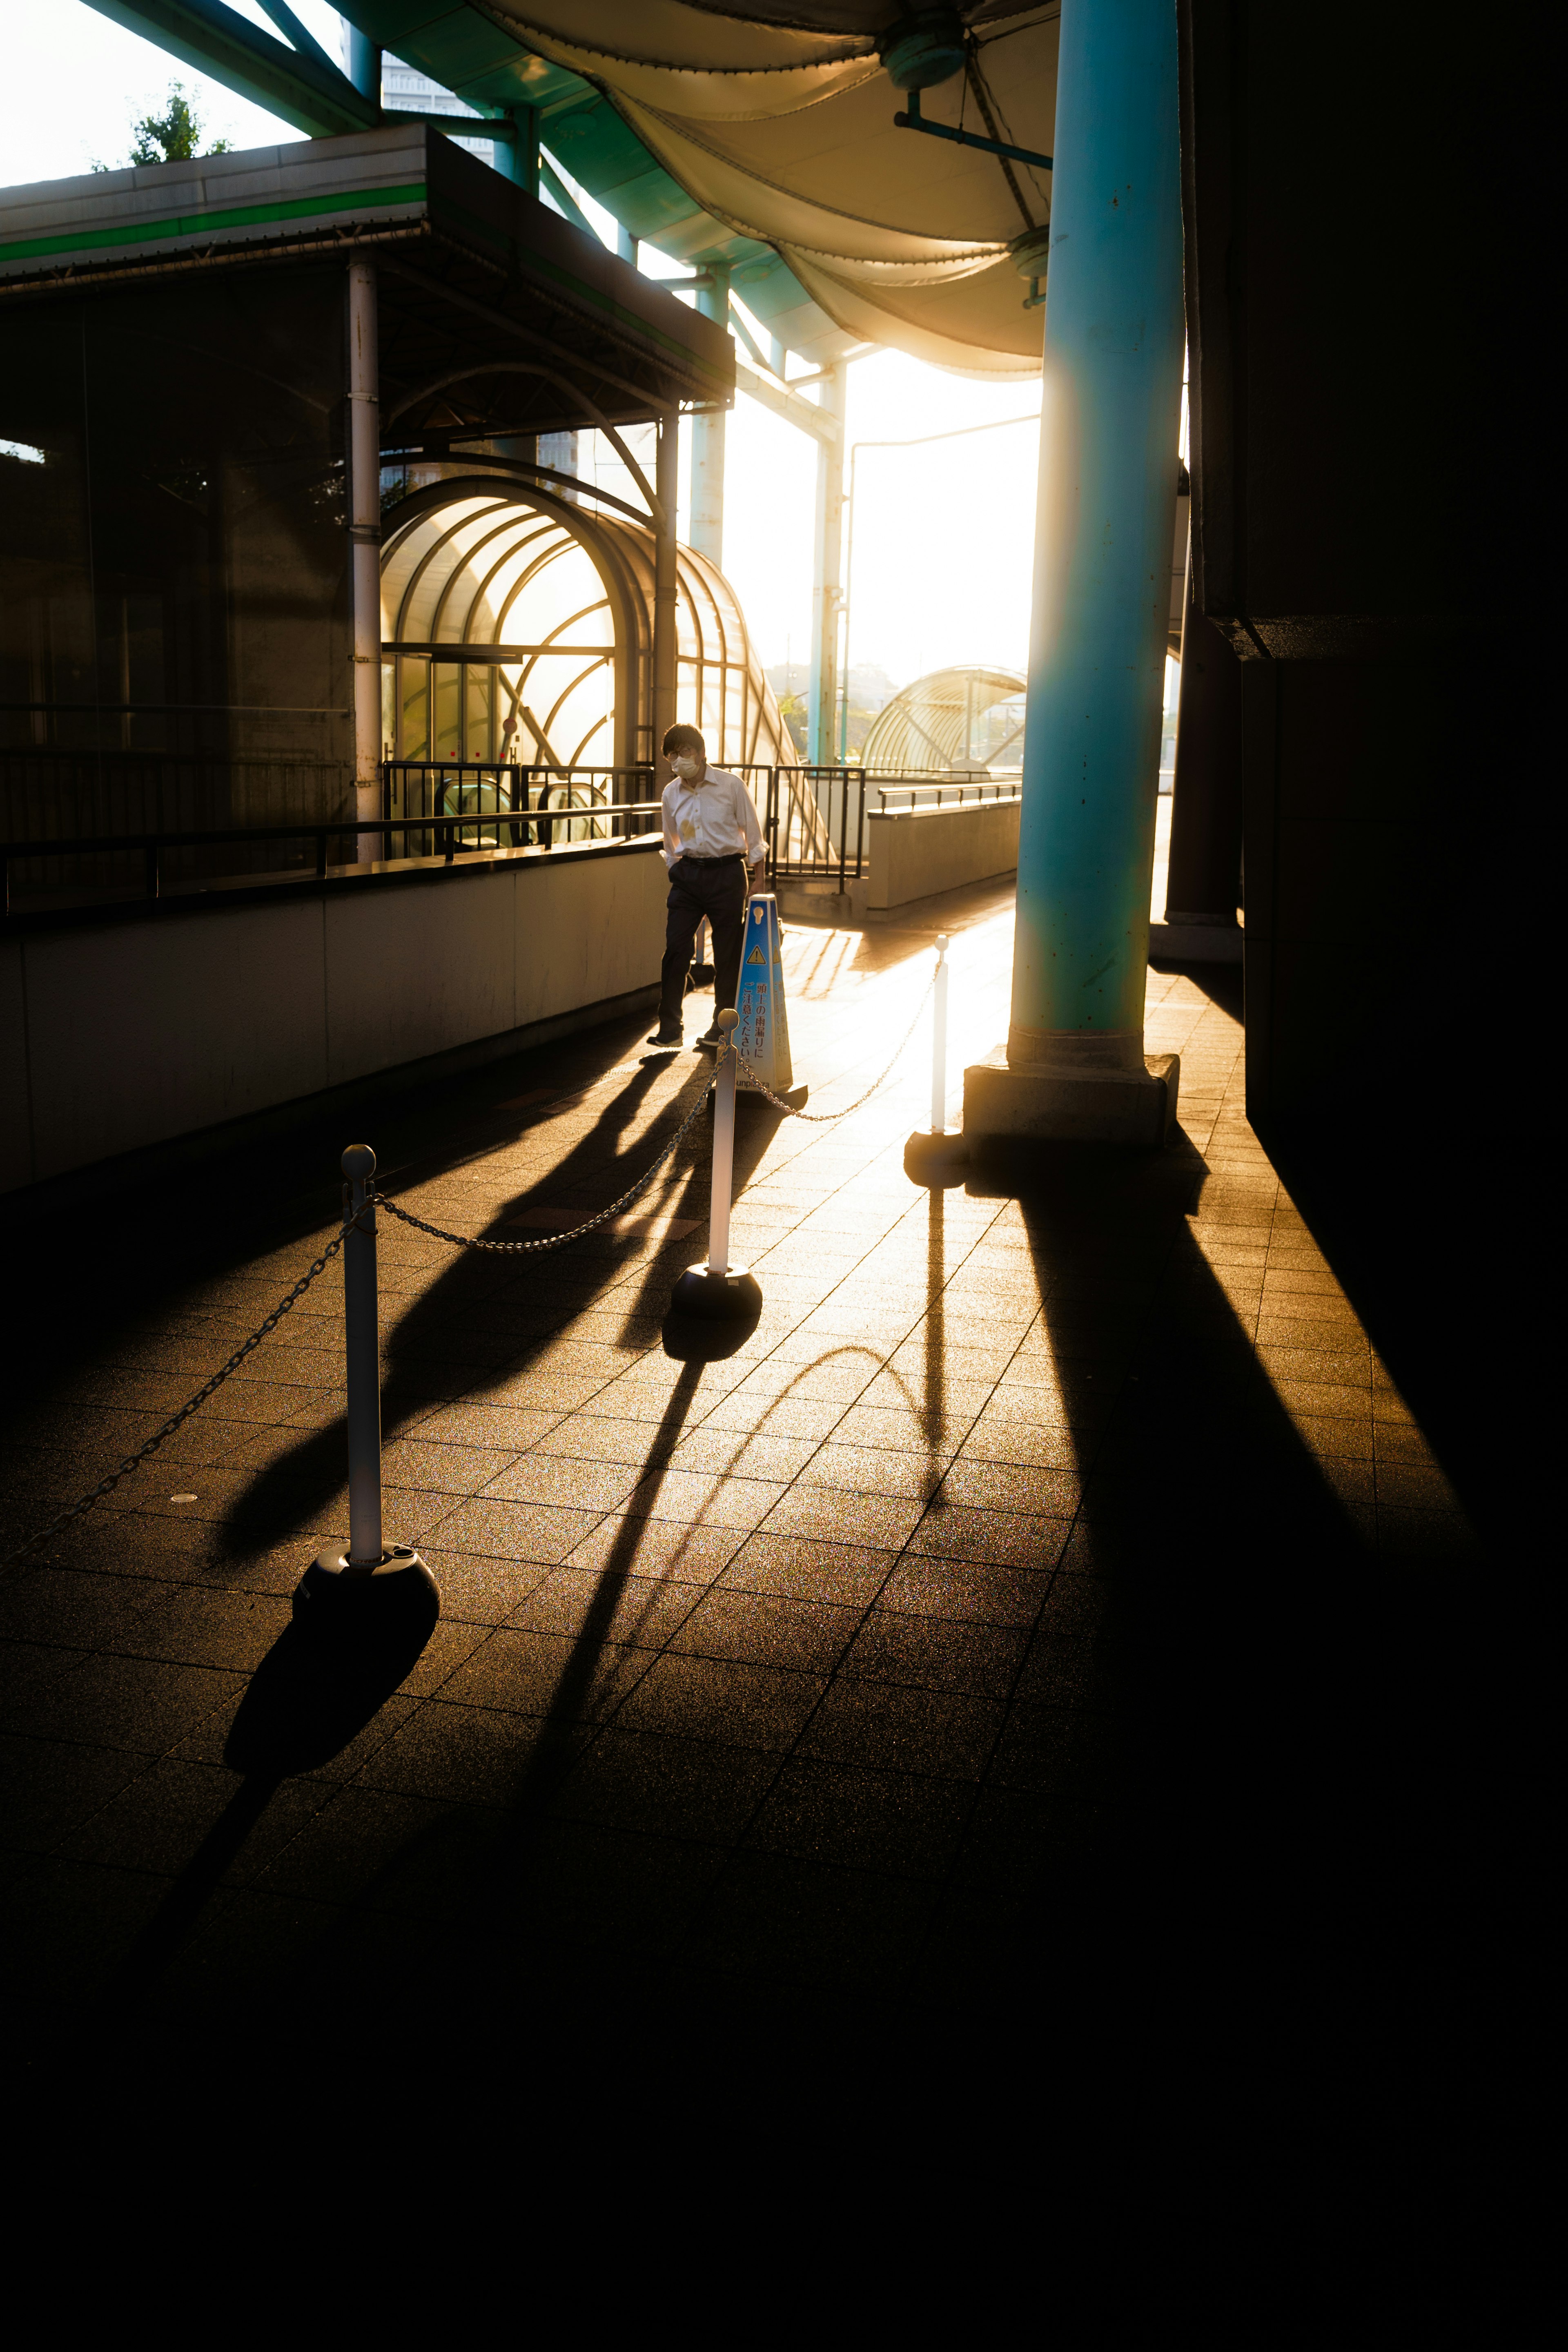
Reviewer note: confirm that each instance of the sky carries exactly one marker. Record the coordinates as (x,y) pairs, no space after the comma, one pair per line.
(943,535)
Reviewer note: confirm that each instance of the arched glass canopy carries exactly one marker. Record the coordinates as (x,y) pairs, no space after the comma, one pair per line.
(954,722)
(518,627)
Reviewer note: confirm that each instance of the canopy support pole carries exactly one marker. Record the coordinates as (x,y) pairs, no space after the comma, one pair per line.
(1073,1067)
(709,439)
(826,586)
(666,483)
(365,546)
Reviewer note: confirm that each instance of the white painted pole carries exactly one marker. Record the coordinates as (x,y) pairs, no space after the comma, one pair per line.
(723,1150)
(363,1350)
(939,1042)
(364,548)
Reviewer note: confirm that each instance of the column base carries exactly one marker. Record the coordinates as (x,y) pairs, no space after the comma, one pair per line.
(1036,1102)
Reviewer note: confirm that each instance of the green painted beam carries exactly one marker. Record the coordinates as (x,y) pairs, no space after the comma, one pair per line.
(467,51)
(214,40)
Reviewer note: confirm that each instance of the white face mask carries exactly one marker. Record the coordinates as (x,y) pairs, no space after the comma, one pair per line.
(687,767)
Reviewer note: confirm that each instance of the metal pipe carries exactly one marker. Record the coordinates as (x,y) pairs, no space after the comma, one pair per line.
(939,1041)
(365,541)
(667,477)
(827,593)
(723,1149)
(706,533)
(362,1348)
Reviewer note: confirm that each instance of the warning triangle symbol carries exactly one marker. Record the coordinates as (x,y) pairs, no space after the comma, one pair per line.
(755,956)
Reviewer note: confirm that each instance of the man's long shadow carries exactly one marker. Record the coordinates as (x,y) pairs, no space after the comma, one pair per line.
(435,1354)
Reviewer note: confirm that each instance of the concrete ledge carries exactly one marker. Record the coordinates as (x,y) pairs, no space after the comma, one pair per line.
(1194,943)
(915,853)
(1041,1105)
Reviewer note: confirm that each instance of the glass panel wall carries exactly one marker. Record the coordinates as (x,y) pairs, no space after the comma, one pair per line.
(174,644)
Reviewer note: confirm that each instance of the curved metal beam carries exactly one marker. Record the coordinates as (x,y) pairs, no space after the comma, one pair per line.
(533,367)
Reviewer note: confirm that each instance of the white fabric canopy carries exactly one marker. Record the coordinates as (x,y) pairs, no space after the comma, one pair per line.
(784,132)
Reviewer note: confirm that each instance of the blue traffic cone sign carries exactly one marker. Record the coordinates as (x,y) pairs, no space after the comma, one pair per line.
(762,1031)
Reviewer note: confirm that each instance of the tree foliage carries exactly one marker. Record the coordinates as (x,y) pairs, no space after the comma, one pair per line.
(172,137)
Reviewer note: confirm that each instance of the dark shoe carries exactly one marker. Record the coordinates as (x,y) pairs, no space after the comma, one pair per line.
(667,1037)
(714,1036)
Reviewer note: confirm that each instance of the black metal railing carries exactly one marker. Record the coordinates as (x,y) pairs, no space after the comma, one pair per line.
(508,806)
(149,867)
(814,826)
(950,791)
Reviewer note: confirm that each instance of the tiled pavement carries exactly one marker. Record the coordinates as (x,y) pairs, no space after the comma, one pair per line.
(1026,1545)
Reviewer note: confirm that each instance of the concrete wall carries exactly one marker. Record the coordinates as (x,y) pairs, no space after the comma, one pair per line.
(915,853)
(115,1037)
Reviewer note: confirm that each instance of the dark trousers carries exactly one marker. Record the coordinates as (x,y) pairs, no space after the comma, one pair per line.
(717,892)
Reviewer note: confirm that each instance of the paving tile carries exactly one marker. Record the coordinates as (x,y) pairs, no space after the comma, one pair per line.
(611,1898)
(870,1470)
(767,1628)
(479,1592)
(52,1787)
(951,1589)
(900,1728)
(739,1706)
(664,1787)
(1011,1486)
(934,1654)
(895,1821)
(448,1469)
(142,1704)
(801,1568)
(776,1917)
(734,1453)
(513,1531)
(825,1514)
(563,1483)
(1009,1538)
(679,1548)
(741,1503)
(547,1675)
(457,1755)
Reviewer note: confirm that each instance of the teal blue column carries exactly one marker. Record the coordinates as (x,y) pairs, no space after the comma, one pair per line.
(365,64)
(518,159)
(1111,414)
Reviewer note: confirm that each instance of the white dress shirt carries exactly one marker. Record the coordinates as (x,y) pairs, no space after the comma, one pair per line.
(711,818)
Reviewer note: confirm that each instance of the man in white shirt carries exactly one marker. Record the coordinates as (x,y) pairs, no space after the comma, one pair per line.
(711,839)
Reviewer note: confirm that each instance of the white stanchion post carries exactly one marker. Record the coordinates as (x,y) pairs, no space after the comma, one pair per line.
(935,1157)
(723,1150)
(719,1288)
(939,1042)
(338,1587)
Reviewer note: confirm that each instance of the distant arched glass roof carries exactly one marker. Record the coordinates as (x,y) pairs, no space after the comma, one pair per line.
(964,721)
(518,626)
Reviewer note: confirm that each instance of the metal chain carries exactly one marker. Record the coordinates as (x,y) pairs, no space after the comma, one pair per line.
(458,1241)
(134,1461)
(823,1118)
(549,1240)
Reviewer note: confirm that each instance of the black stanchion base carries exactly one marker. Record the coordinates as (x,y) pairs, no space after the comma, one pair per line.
(387,1602)
(936,1160)
(717,1297)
